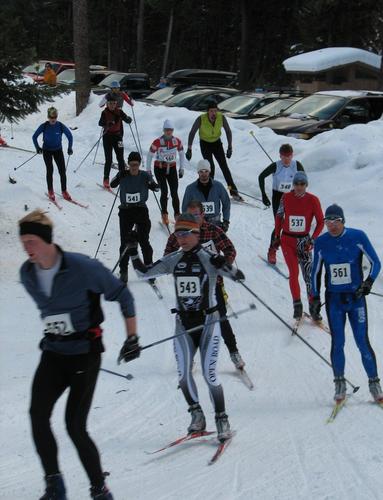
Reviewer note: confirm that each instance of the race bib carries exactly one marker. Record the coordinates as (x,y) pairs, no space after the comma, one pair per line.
(58,324)
(285,187)
(296,223)
(133,197)
(209,245)
(169,157)
(208,207)
(340,274)
(188,286)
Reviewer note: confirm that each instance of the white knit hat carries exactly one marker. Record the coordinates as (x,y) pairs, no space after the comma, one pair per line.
(203,165)
(168,124)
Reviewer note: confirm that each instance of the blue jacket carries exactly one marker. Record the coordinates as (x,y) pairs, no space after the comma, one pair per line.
(342,258)
(212,205)
(75,295)
(52,136)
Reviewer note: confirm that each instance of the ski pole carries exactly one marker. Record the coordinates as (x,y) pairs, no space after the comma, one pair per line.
(12,130)
(82,161)
(198,327)
(260,145)
(128,376)
(377,294)
(26,161)
(95,154)
(355,388)
(67,163)
(250,196)
(138,135)
(121,257)
(107,222)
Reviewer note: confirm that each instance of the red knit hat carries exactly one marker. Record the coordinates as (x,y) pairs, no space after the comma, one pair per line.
(187,222)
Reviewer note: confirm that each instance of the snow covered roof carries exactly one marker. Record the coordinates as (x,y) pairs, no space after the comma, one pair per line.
(330,57)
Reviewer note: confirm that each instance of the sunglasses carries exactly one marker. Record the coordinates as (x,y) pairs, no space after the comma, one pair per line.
(333,219)
(183,233)
(299,184)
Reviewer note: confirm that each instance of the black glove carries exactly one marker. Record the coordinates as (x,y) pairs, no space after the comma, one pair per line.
(229,152)
(153,186)
(315,307)
(128,120)
(130,350)
(39,150)
(180,173)
(239,276)
(188,154)
(276,243)
(364,288)
(218,261)
(70,151)
(265,200)
(225,225)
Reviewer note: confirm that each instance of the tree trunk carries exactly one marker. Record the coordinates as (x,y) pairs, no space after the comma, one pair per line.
(380,78)
(244,54)
(81,53)
(140,35)
(168,38)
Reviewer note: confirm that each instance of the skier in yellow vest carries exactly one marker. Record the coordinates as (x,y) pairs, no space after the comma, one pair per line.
(209,126)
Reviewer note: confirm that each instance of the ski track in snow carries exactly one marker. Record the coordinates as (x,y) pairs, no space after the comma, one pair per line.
(283,448)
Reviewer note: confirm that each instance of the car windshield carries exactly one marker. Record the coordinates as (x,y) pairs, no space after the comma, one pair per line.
(273,108)
(38,68)
(113,77)
(68,76)
(320,106)
(239,104)
(161,94)
(183,98)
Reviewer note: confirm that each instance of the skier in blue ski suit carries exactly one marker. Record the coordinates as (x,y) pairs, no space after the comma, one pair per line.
(341,250)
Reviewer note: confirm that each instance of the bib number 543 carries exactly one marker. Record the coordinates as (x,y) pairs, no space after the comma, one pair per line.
(188,286)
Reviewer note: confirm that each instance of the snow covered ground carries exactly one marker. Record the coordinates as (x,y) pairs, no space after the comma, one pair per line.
(283,448)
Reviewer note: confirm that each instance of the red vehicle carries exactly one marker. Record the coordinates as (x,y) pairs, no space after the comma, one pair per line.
(36,70)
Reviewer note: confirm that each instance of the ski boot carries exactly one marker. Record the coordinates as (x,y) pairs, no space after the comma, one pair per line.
(66,196)
(237,360)
(165,219)
(235,195)
(106,184)
(223,426)
(55,489)
(315,316)
(198,422)
(375,389)
(272,256)
(298,309)
(51,195)
(100,493)
(340,388)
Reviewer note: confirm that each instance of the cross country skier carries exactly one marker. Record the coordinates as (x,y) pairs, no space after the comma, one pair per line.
(294,217)
(209,126)
(195,272)
(134,189)
(215,240)
(67,288)
(165,149)
(341,250)
(283,172)
(118,94)
(51,149)
(111,120)
(211,194)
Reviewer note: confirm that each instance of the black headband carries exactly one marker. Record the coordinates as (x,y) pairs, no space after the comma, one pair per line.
(43,231)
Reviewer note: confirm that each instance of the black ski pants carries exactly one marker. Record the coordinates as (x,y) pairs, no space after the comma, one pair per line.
(58,156)
(210,149)
(164,177)
(53,376)
(275,201)
(226,329)
(112,142)
(139,217)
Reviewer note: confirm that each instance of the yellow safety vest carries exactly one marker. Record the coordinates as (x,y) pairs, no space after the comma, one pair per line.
(209,132)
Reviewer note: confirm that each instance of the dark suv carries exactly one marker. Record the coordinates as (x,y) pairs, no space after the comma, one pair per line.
(206,77)
(136,84)
(327,110)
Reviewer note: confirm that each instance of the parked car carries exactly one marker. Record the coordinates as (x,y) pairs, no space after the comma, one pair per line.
(327,110)
(204,77)
(136,84)
(272,109)
(197,99)
(160,96)
(68,76)
(36,70)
